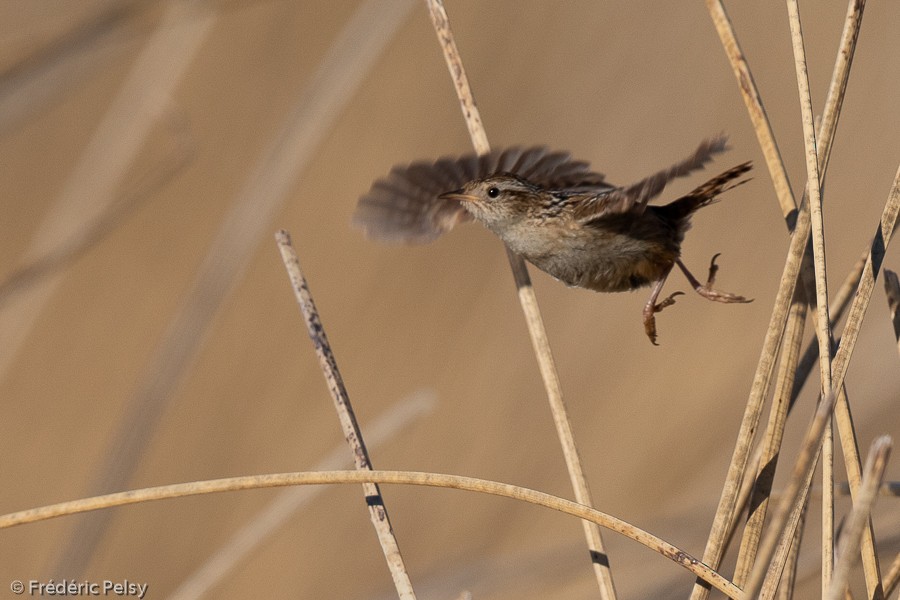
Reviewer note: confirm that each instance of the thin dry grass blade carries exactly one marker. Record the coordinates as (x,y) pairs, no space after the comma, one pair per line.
(273,517)
(528,301)
(458,482)
(859,516)
(352,433)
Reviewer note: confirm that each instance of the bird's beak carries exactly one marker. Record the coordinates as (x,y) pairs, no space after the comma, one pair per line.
(458,195)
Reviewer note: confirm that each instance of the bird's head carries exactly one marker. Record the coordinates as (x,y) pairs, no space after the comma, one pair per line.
(498,201)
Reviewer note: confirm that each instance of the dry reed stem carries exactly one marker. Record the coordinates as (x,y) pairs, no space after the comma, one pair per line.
(530,308)
(823,320)
(458,482)
(860,304)
(792,533)
(842,358)
(377,510)
(768,459)
(839,305)
(797,487)
(852,465)
(755,109)
(892,290)
(859,516)
(788,578)
(331,87)
(846,430)
(841,361)
(798,219)
(840,302)
(285,506)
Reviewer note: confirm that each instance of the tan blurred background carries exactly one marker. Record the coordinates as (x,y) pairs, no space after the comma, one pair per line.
(233,387)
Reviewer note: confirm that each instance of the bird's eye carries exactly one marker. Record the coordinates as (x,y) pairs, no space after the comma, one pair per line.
(493,192)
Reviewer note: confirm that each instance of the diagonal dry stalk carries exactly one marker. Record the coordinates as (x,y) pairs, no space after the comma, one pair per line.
(768,458)
(859,516)
(530,308)
(791,377)
(860,304)
(352,433)
(785,589)
(755,108)
(440,480)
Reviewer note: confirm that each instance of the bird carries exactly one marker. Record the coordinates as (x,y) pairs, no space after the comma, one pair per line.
(558,214)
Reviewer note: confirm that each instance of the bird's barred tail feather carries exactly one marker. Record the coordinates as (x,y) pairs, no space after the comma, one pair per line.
(707,193)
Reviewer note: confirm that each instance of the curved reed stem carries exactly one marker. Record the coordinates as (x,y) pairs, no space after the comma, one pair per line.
(458,482)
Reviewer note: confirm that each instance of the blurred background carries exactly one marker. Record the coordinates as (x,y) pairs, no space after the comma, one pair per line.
(149,335)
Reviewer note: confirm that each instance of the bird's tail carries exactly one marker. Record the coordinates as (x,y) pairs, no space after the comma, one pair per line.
(706,193)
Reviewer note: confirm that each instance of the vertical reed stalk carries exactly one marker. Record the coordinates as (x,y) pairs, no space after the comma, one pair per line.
(530,308)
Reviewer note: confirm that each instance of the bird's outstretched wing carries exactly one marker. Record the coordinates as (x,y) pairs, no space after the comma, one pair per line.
(636,196)
(404,206)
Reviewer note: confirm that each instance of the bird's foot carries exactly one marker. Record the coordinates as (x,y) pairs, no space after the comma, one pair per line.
(709,293)
(650,310)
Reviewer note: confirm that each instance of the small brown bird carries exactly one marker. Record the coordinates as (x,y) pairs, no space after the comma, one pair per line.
(556,213)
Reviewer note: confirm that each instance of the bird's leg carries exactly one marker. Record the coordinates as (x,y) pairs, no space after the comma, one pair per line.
(706,290)
(652,307)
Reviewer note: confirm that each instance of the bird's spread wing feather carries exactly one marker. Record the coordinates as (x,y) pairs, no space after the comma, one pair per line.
(404,206)
(636,196)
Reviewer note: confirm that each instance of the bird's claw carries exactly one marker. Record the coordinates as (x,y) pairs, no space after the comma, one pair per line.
(650,315)
(709,293)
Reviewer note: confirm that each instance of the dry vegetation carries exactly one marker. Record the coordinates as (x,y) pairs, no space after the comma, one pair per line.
(764,525)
